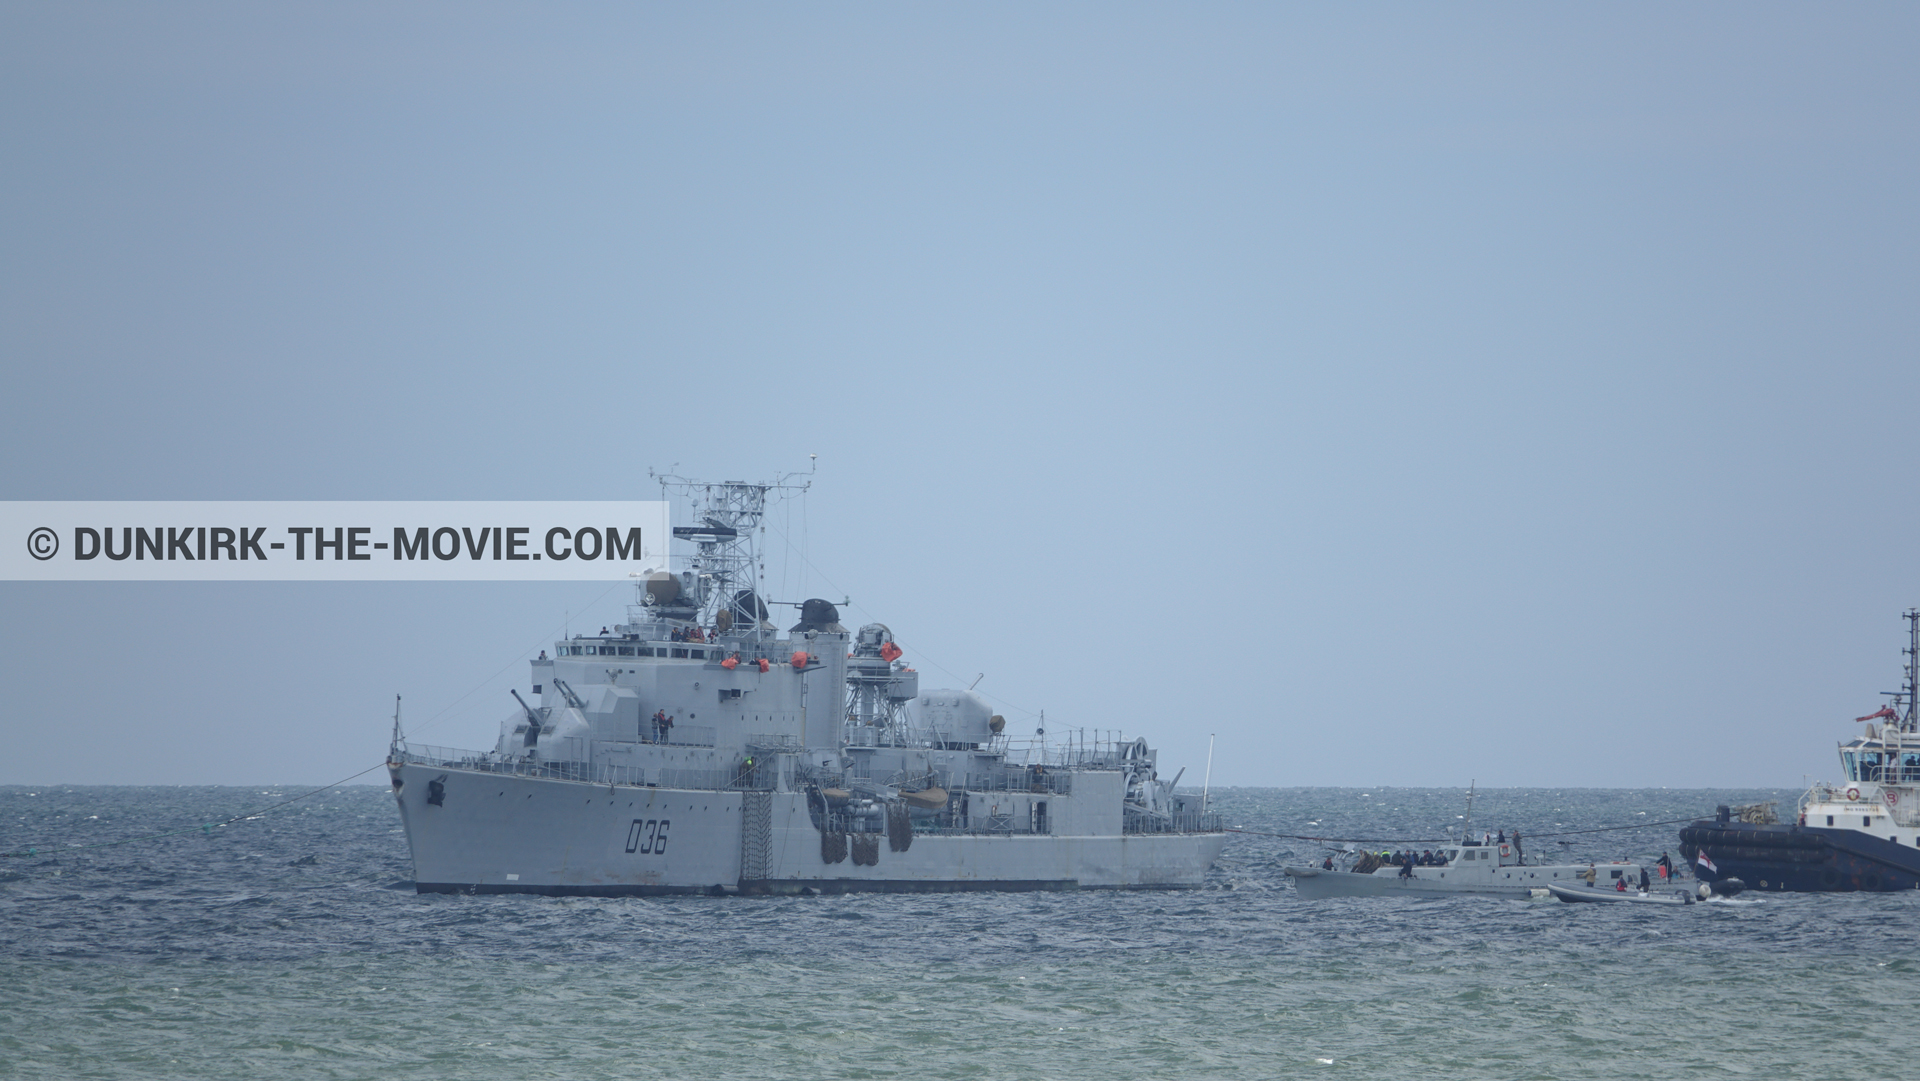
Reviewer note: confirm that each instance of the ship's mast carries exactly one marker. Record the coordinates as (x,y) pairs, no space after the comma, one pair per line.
(727,566)
(1908,718)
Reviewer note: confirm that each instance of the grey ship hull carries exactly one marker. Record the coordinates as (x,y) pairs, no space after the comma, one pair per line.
(505,833)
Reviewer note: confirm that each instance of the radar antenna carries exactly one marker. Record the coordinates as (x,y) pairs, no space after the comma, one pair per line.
(720,583)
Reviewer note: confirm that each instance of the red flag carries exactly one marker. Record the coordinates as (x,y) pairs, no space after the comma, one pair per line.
(1885,711)
(1705,862)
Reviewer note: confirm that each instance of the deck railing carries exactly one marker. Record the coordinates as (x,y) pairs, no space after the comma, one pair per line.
(588,772)
(763,777)
(1176,822)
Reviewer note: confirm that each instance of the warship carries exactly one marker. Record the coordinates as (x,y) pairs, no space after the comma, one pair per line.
(696,748)
(1861,835)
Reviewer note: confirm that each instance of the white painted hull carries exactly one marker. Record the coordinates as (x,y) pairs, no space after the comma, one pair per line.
(1582,895)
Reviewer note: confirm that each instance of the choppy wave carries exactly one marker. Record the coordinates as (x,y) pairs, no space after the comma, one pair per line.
(291,946)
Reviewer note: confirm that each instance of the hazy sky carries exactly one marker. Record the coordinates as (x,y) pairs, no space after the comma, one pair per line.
(1409,394)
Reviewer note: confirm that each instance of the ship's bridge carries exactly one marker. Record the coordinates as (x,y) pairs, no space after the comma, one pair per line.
(1871,761)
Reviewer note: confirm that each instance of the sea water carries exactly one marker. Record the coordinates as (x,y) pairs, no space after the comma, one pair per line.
(291,945)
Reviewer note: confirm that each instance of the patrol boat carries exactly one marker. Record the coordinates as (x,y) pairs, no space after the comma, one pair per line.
(1487,869)
(1494,867)
(1860,835)
(697,749)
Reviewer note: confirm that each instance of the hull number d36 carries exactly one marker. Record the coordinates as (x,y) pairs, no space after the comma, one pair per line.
(648,836)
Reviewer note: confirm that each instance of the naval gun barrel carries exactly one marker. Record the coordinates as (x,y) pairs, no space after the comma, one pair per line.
(533,721)
(572,698)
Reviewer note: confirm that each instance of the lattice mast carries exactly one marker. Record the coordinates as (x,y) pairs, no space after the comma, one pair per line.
(878,688)
(727,568)
(1909,721)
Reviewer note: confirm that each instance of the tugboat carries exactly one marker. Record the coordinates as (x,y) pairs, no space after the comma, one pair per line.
(696,748)
(1857,836)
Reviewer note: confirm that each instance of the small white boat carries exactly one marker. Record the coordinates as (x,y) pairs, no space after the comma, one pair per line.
(1583,894)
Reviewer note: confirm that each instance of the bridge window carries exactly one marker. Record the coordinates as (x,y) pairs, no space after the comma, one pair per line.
(626,651)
